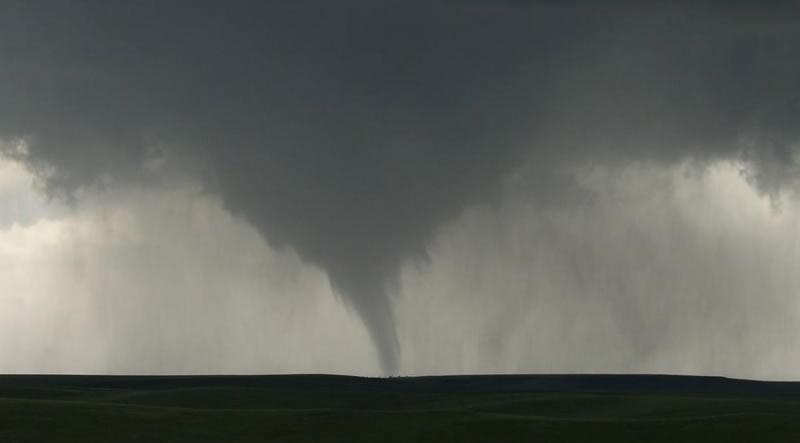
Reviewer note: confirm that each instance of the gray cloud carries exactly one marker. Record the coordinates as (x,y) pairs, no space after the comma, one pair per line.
(350,132)
(164,280)
(659,269)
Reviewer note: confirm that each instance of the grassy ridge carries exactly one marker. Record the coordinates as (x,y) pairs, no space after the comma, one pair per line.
(330,408)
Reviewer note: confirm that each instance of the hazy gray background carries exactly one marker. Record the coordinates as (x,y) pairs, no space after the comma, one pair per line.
(661,270)
(461,186)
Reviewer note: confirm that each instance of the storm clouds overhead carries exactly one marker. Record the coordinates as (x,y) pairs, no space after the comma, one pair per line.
(571,179)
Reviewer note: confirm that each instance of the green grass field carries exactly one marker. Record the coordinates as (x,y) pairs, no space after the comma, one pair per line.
(437,409)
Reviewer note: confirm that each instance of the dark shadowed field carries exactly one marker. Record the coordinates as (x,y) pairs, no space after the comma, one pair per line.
(546,408)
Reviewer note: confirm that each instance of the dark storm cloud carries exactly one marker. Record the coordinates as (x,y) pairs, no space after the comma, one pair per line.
(349,131)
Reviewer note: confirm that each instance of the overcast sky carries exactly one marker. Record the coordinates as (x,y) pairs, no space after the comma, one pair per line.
(399,187)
